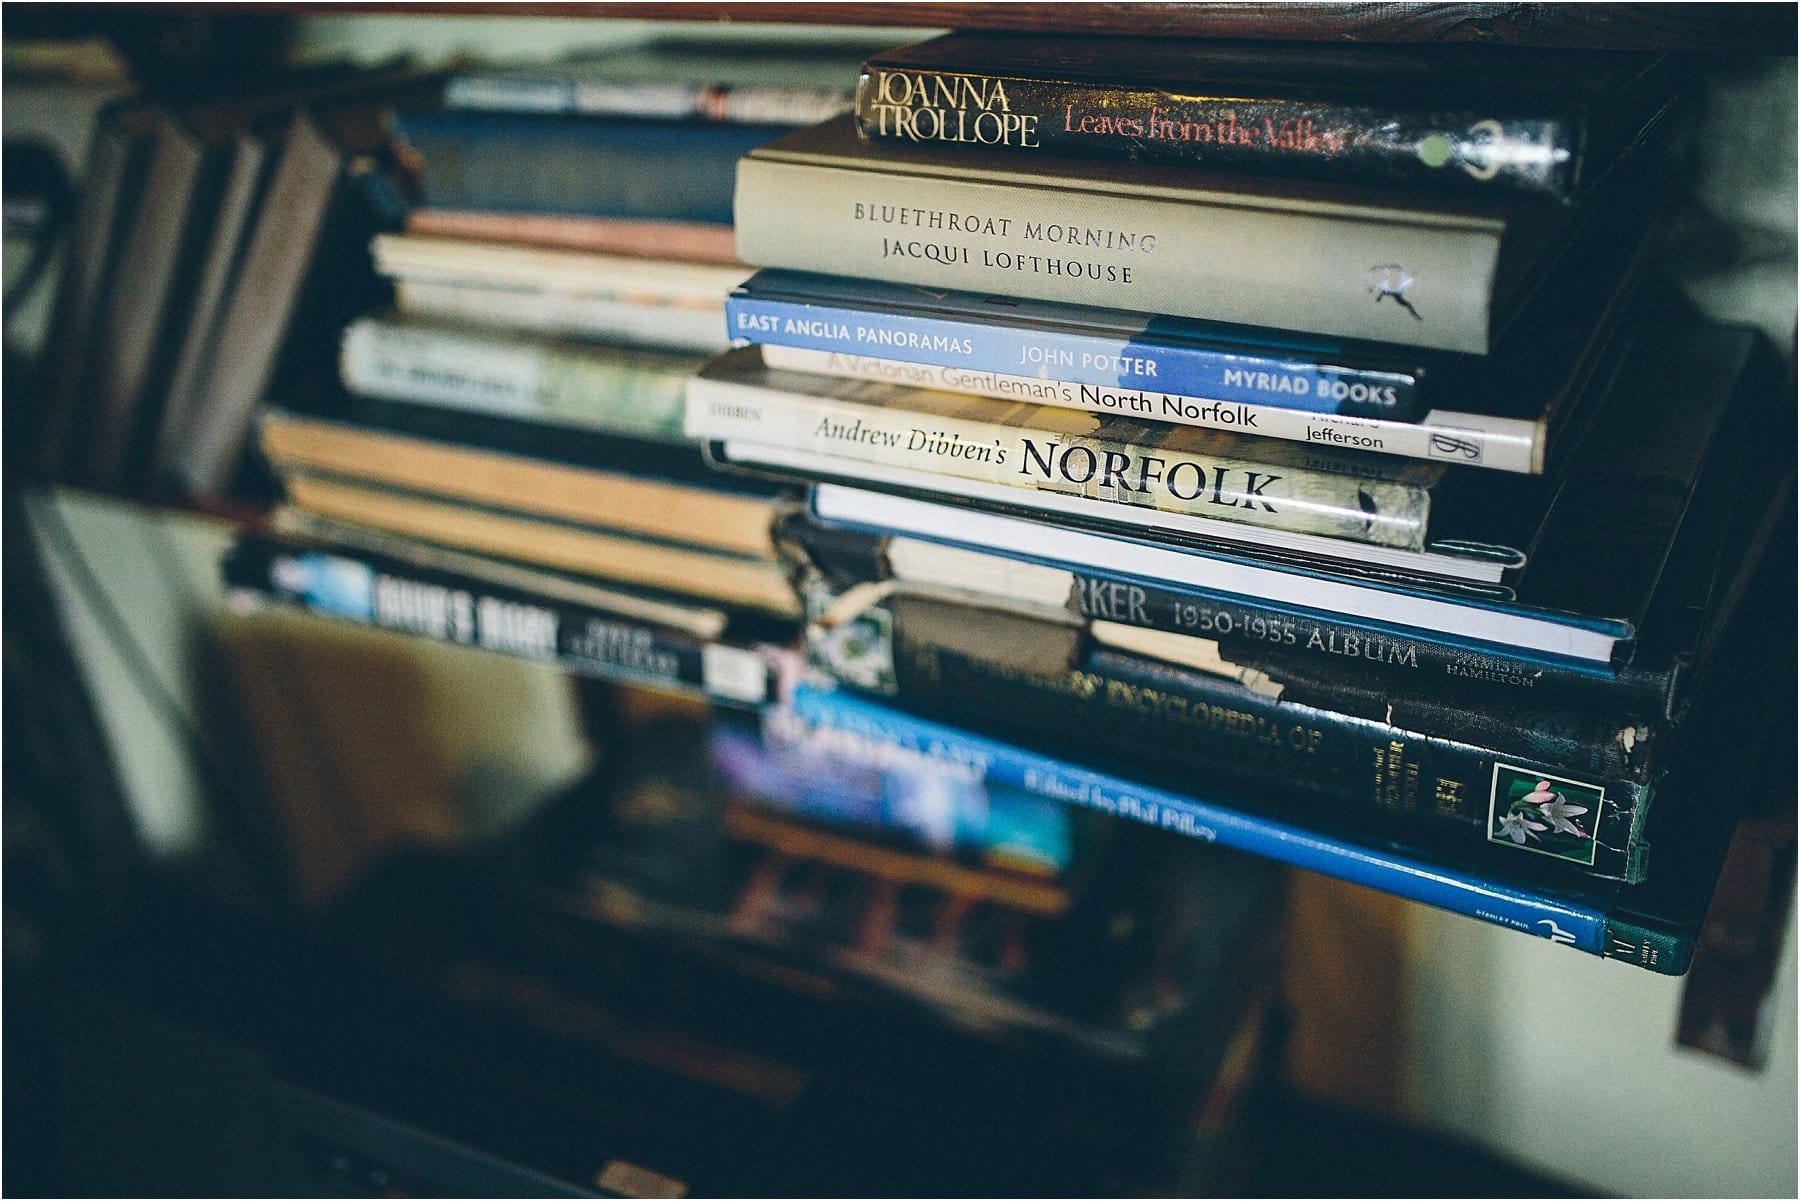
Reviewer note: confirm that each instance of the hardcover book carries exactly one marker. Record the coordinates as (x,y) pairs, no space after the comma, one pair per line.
(118,155)
(1463,117)
(1442,774)
(1504,412)
(1477,528)
(1385,266)
(1295,654)
(303,273)
(1653,925)
(1515,877)
(204,169)
(157,258)
(576,166)
(1605,540)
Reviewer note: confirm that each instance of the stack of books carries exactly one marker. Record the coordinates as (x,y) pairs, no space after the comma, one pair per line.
(505,466)
(1291,448)
(206,266)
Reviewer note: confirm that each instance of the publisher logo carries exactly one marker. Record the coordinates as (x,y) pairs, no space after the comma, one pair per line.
(1454,446)
(1389,281)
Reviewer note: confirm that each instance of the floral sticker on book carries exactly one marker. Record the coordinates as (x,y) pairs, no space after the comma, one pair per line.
(860,652)
(1544,813)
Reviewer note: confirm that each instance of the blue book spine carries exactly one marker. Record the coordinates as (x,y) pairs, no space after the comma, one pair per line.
(1108,370)
(1560,920)
(578,166)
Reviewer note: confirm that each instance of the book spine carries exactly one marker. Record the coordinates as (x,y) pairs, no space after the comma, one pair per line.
(288,254)
(118,159)
(1275,639)
(1219,821)
(684,327)
(1382,513)
(134,322)
(515,163)
(1113,367)
(680,241)
(720,103)
(443,608)
(1457,148)
(1281,640)
(204,315)
(1183,722)
(1338,274)
(1497,443)
(616,391)
(1659,950)
(757,104)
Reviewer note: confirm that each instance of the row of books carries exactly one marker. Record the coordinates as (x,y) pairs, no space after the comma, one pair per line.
(1373,509)
(506,467)
(214,253)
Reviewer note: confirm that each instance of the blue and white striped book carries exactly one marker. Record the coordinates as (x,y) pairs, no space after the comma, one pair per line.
(1321,392)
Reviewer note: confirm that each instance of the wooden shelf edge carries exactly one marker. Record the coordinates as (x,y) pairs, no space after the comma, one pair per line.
(1747,28)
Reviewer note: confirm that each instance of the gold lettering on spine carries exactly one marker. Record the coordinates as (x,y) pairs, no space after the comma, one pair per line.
(932,107)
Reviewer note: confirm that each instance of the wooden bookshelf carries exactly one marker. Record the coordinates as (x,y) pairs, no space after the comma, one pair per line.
(1368,998)
(1698,28)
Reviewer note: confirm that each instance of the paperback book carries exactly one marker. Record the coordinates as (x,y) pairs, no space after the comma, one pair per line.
(598,482)
(464,610)
(635,513)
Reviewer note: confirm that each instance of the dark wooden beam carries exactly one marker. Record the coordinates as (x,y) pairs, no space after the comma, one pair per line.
(1700,28)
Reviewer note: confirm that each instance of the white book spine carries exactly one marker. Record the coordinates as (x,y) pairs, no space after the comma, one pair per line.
(1496,443)
(1213,258)
(1035,460)
(693,328)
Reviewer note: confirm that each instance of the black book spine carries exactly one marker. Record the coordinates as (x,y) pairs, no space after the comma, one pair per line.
(1457,148)
(369,590)
(1291,646)
(1196,727)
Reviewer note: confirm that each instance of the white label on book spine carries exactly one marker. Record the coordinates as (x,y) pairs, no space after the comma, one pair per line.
(1497,443)
(733,673)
